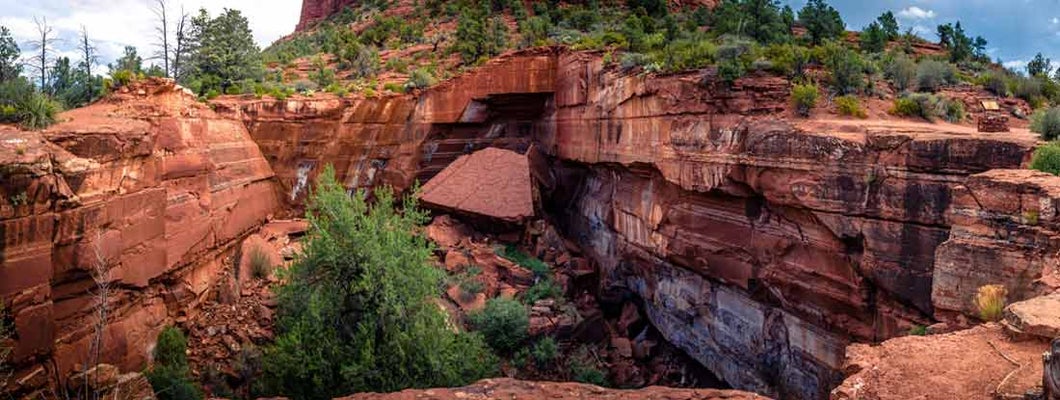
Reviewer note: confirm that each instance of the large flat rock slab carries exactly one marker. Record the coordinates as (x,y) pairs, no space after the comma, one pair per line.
(1039,316)
(514,389)
(491,182)
(978,363)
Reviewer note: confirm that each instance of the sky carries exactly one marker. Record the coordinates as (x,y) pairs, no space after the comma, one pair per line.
(1016,29)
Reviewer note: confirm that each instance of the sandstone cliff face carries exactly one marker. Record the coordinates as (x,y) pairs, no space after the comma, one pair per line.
(761,246)
(314,11)
(146,190)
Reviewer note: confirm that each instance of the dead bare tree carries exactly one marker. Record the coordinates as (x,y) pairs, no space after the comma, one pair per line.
(89,53)
(102,279)
(181,49)
(162,34)
(42,47)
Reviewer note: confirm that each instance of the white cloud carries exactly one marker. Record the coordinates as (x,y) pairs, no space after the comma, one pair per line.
(1055,20)
(1015,65)
(114,24)
(915,12)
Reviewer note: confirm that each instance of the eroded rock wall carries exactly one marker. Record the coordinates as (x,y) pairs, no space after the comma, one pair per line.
(762,244)
(145,191)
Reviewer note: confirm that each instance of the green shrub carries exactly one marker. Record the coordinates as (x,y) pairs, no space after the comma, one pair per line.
(1047,158)
(1047,123)
(730,70)
(260,266)
(905,107)
(847,70)
(995,83)
(584,370)
(170,376)
(918,330)
(901,71)
(850,106)
(804,98)
(1029,89)
(931,75)
(504,323)
(360,60)
(358,312)
(954,111)
(36,111)
(420,78)
(394,87)
(122,77)
(539,267)
(545,352)
(543,289)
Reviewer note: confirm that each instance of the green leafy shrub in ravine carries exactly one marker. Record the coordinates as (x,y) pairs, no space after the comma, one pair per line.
(358,311)
(931,75)
(1047,123)
(545,352)
(543,289)
(504,324)
(918,330)
(850,106)
(539,267)
(170,376)
(584,370)
(804,98)
(1047,158)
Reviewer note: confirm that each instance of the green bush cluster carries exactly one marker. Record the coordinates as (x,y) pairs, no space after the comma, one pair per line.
(850,106)
(804,98)
(1046,122)
(358,312)
(932,74)
(23,104)
(1047,158)
(928,107)
(504,323)
(170,375)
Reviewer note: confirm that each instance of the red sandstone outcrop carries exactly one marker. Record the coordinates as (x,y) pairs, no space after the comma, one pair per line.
(762,246)
(515,389)
(146,190)
(314,11)
(979,363)
(491,183)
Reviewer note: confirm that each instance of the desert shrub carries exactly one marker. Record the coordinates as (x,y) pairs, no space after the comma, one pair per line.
(260,266)
(121,78)
(513,254)
(729,70)
(847,70)
(906,107)
(584,370)
(901,71)
(954,110)
(686,54)
(170,376)
(804,98)
(849,105)
(1047,159)
(545,351)
(419,79)
(504,324)
(358,311)
(1047,123)
(629,61)
(394,87)
(36,111)
(543,289)
(994,83)
(787,59)
(360,60)
(932,74)
(990,301)
(918,330)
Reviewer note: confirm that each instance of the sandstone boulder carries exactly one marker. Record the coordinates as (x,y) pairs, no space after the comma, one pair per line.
(491,183)
(514,389)
(1038,317)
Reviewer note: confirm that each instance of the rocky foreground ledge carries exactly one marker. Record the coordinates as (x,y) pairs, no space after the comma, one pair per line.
(516,389)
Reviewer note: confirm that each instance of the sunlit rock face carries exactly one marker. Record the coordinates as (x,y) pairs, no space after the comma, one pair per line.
(147,191)
(315,11)
(761,244)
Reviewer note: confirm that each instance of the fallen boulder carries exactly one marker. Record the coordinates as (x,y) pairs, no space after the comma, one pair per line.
(491,183)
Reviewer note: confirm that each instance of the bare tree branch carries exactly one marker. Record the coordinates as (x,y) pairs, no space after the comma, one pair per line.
(89,54)
(162,34)
(43,50)
(181,45)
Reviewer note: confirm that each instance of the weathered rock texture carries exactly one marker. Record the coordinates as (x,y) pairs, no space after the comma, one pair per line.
(761,246)
(974,364)
(514,389)
(146,190)
(492,183)
(314,11)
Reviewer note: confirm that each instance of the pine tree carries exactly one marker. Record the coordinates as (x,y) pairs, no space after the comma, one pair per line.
(10,68)
(822,21)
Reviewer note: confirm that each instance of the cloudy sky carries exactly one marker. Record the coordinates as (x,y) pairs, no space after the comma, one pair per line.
(113,24)
(1016,29)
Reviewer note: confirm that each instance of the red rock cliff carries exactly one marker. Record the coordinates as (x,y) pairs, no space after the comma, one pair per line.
(149,184)
(314,11)
(761,246)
